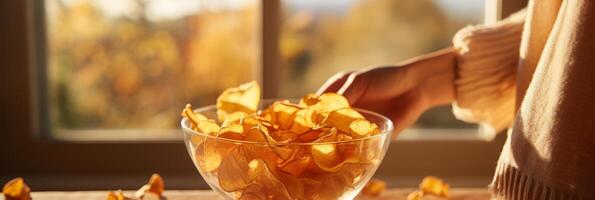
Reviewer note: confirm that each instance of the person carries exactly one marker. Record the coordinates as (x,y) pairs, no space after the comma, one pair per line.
(532,73)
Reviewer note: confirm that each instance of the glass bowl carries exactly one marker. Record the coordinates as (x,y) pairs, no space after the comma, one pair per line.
(238,169)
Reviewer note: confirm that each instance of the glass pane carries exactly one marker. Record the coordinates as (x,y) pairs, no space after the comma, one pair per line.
(133,64)
(320,38)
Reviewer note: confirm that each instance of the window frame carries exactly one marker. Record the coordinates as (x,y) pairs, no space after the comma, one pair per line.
(31,153)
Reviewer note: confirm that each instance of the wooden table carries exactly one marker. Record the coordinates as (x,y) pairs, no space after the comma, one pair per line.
(456,194)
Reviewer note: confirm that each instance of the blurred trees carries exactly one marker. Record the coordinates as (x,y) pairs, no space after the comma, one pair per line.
(132,72)
(316,45)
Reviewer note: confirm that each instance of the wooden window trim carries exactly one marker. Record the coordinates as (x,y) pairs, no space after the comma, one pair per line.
(500,9)
(70,165)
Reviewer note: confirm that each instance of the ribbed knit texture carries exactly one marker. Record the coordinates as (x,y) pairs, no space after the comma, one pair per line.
(510,183)
(486,74)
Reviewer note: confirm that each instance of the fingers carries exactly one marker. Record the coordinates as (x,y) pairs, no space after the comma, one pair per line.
(370,84)
(345,83)
(387,90)
(334,83)
(354,87)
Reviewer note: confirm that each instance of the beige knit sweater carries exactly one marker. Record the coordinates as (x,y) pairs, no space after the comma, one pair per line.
(485,83)
(550,54)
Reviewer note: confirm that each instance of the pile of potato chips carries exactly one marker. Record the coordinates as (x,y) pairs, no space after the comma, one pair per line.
(16,189)
(318,148)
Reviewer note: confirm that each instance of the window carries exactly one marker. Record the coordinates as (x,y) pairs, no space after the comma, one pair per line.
(126,67)
(131,65)
(111,76)
(319,39)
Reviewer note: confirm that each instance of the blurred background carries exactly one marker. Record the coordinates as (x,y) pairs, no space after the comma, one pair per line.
(99,84)
(133,64)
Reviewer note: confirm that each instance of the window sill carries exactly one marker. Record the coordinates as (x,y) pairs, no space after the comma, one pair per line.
(174,136)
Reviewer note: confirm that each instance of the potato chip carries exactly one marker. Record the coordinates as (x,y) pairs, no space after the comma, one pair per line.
(269,114)
(255,134)
(294,185)
(283,152)
(232,131)
(233,173)
(318,190)
(111,196)
(325,153)
(343,136)
(361,128)
(435,186)
(193,117)
(337,166)
(210,153)
(16,189)
(260,173)
(297,164)
(304,121)
(156,184)
(327,135)
(284,136)
(325,156)
(374,188)
(343,178)
(119,195)
(209,127)
(209,156)
(199,123)
(259,133)
(235,117)
(144,193)
(342,118)
(415,195)
(329,102)
(310,136)
(309,100)
(282,113)
(367,150)
(291,183)
(253,192)
(319,135)
(244,98)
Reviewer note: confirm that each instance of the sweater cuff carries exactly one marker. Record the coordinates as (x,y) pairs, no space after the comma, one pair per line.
(486,73)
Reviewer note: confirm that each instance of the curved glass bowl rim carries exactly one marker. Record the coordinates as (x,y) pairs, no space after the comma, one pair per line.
(389,129)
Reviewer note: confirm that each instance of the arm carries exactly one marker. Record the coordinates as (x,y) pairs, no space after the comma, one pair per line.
(464,73)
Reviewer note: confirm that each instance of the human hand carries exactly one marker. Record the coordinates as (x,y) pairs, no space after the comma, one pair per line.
(402,92)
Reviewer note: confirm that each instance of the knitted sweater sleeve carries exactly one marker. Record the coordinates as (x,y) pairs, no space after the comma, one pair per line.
(486,73)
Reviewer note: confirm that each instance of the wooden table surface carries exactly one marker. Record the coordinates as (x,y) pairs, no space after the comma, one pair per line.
(455,194)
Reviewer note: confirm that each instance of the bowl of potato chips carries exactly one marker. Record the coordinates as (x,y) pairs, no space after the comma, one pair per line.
(317,147)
